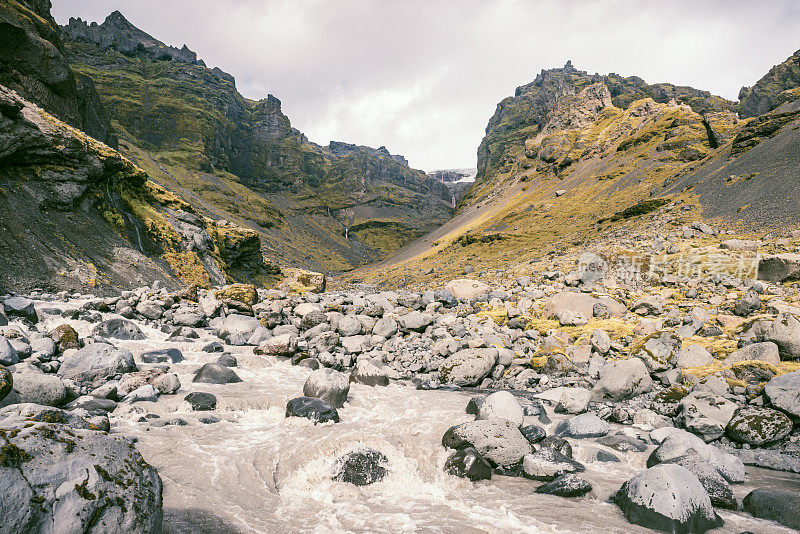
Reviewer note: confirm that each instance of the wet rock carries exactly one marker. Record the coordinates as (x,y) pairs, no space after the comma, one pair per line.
(782,393)
(622,379)
(212,373)
(534,434)
(368,374)
(36,388)
(171,355)
(501,405)
(214,346)
(283,345)
(474,405)
(557,444)
(582,426)
(118,329)
(362,467)
(467,367)
(237,324)
(757,426)
(21,307)
(776,505)
(705,414)
(201,401)
(668,498)
(328,385)
(623,443)
(81,480)
(718,489)
(566,486)
(547,464)
(498,440)
(95,364)
(148,393)
(167,384)
(667,401)
(468,463)
(312,408)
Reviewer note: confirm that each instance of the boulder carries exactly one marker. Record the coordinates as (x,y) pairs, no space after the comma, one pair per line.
(583,426)
(747,304)
(213,373)
(622,379)
(765,352)
(693,356)
(782,392)
(362,467)
(312,408)
(299,281)
(577,303)
(21,307)
(95,364)
(498,440)
(706,414)
(573,400)
(776,505)
(659,351)
(779,268)
(534,434)
(718,489)
(501,405)
(118,328)
(467,367)
(757,425)
(466,289)
(147,392)
(167,384)
(74,475)
(385,327)
(567,485)
(668,498)
(36,388)
(623,443)
(468,463)
(675,443)
(328,385)
(368,374)
(65,337)
(245,293)
(236,324)
(784,331)
(349,325)
(8,354)
(6,382)
(415,321)
(547,464)
(284,345)
(201,401)
(171,355)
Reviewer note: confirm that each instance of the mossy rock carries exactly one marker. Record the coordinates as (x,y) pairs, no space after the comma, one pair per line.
(6,382)
(666,402)
(299,281)
(65,337)
(756,425)
(239,292)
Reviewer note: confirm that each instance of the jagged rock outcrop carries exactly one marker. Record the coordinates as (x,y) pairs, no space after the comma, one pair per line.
(32,62)
(779,86)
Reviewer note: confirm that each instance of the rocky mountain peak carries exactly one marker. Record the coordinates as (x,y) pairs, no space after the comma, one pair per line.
(779,86)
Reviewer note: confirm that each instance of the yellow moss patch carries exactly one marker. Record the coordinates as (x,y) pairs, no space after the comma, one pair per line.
(242,292)
(188,267)
(498,314)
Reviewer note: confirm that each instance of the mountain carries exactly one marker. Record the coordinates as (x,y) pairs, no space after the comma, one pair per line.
(325,207)
(573,158)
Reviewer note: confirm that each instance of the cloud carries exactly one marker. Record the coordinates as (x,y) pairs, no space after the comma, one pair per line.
(423,77)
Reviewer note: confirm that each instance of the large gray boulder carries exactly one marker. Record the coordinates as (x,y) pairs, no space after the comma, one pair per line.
(622,379)
(415,321)
(668,498)
(706,414)
(765,352)
(214,373)
(466,289)
(369,374)
(58,475)
(467,367)
(784,331)
(236,324)
(775,505)
(501,405)
(675,442)
(118,328)
(21,307)
(718,489)
(587,425)
(36,388)
(757,425)
(497,440)
(8,354)
(95,364)
(548,463)
(328,385)
(784,393)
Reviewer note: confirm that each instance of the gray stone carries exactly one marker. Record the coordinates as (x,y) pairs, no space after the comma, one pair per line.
(21,307)
(498,440)
(693,356)
(213,373)
(328,385)
(583,426)
(467,367)
(312,408)
(784,331)
(468,463)
(705,414)
(757,426)
(385,327)
(36,388)
(236,324)
(8,354)
(622,379)
(676,443)
(501,405)
(566,486)
(776,505)
(118,329)
(95,364)
(368,374)
(784,393)
(668,498)
(718,489)
(415,321)
(779,268)
(548,463)
(765,352)
(658,351)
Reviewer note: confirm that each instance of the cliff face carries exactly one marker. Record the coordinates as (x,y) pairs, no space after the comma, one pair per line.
(242,160)
(779,86)
(32,63)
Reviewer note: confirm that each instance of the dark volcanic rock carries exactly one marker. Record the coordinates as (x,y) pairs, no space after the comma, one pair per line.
(362,467)
(566,486)
(171,355)
(468,463)
(312,408)
(774,504)
(201,401)
(212,373)
(118,329)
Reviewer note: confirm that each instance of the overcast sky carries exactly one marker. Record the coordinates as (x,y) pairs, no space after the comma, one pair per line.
(422,77)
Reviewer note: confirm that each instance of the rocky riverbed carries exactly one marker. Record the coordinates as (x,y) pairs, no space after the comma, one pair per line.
(537,405)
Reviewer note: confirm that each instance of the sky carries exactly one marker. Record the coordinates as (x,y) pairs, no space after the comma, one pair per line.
(423,77)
